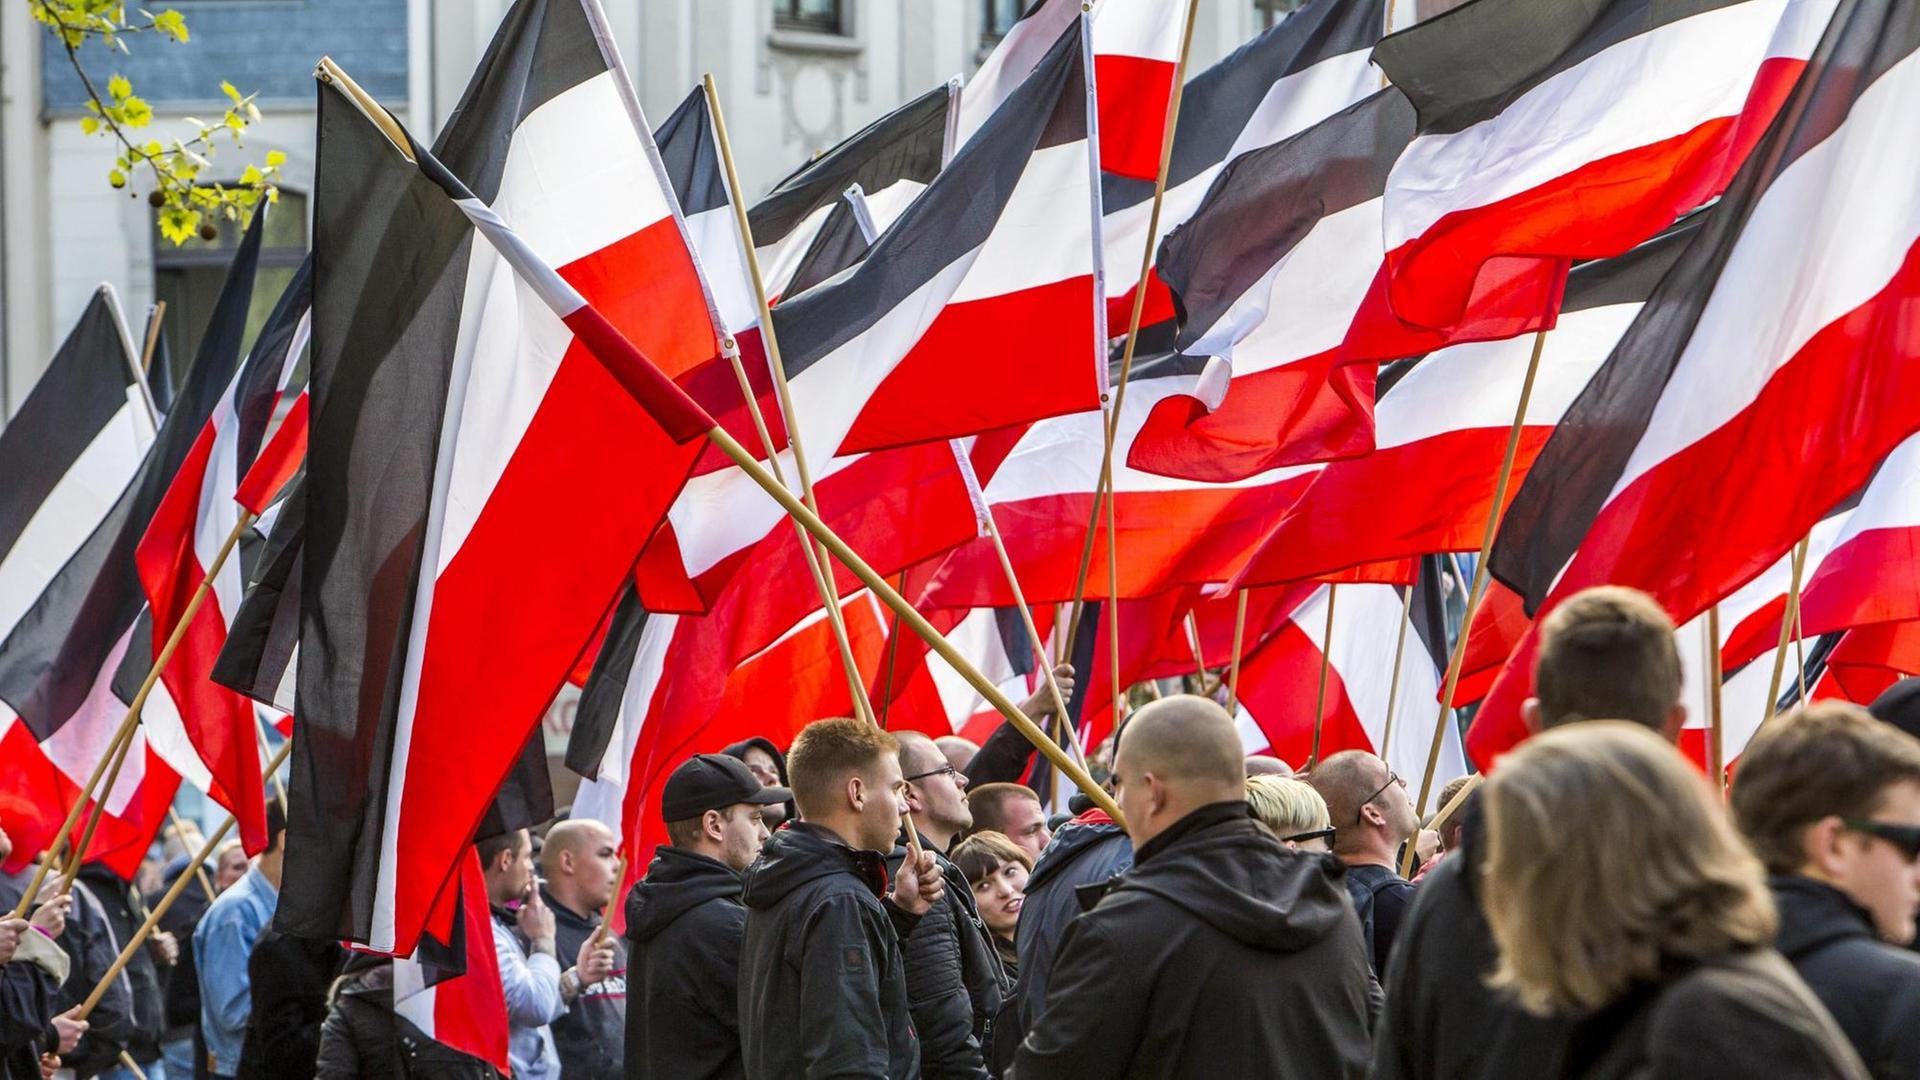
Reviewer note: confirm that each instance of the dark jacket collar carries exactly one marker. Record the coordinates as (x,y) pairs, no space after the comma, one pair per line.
(1210,814)
(1814,914)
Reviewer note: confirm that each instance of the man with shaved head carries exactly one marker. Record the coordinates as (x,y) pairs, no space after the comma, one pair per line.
(1221,953)
(1372,816)
(579,863)
(959,751)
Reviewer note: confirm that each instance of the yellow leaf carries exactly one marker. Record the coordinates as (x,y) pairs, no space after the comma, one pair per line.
(179,225)
(89,124)
(275,159)
(118,88)
(227,89)
(135,112)
(117,178)
(251,176)
(152,149)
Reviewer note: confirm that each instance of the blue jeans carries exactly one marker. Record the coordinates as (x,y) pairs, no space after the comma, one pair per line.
(176,1057)
(155,1070)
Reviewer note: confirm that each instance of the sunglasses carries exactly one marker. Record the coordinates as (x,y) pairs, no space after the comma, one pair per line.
(1904,837)
(1317,834)
(944,770)
(1392,779)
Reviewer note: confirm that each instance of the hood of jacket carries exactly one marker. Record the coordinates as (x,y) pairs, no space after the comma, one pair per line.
(1072,841)
(739,750)
(676,883)
(803,853)
(1234,876)
(1813,915)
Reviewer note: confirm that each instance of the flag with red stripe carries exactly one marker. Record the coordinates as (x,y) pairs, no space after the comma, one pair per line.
(463,1006)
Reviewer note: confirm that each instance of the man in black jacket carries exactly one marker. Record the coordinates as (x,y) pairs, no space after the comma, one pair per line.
(955,983)
(1088,850)
(685,921)
(580,862)
(1221,953)
(1605,653)
(287,979)
(1830,799)
(125,911)
(1372,816)
(822,991)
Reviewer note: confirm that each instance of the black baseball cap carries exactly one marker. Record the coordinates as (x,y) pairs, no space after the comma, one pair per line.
(714,782)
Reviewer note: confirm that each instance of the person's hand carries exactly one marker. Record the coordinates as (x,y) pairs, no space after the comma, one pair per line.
(165,947)
(10,931)
(1427,845)
(1041,703)
(595,961)
(536,921)
(918,885)
(69,1027)
(49,1064)
(51,916)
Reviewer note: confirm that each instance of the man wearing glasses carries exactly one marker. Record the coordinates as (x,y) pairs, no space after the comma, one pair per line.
(1830,800)
(1372,816)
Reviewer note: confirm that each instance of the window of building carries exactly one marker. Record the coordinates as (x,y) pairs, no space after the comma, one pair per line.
(1268,12)
(813,16)
(997,17)
(189,277)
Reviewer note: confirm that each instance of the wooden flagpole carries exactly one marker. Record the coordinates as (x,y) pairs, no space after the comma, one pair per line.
(199,868)
(1716,746)
(1033,636)
(816,560)
(1787,622)
(1326,663)
(893,654)
(125,731)
(1479,590)
(1199,657)
(1233,666)
(78,851)
(159,910)
(606,912)
(1126,363)
(153,336)
(1800,648)
(1399,651)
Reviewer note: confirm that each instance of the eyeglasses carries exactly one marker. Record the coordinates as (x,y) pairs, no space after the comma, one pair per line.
(1904,837)
(1317,834)
(1360,815)
(944,770)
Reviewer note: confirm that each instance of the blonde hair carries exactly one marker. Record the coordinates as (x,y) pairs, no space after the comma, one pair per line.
(1287,807)
(826,752)
(1609,859)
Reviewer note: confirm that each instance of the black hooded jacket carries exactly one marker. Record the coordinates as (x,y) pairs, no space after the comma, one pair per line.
(955,984)
(589,1036)
(1872,988)
(684,924)
(364,1039)
(125,911)
(1086,851)
(822,991)
(1221,953)
(739,751)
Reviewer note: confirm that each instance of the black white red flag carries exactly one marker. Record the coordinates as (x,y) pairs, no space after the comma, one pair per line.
(1766,377)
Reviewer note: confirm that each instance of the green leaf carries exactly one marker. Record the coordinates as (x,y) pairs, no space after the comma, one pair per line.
(118,88)
(275,159)
(135,112)
(171,23)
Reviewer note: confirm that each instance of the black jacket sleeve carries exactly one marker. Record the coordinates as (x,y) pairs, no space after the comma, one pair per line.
(339,1054)
(843,1027)
(938,1000)
(1087,1031)
(1001,759)
(26,1003)
(110,1026)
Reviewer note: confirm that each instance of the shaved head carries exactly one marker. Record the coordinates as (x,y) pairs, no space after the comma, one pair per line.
(918,753)
(959,751)
(576,836)
(1267,765)
(1175,756)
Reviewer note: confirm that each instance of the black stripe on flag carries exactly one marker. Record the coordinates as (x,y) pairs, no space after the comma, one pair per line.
(50,660)
(838,245)
(82,390)
(598,711)
(691,157)
(1467,65)
(1217,104)
(265,629)
(1265,202)
(1428,612)
(391,253)
(1581,462)
(906,144)
(259,386)
(542,49)
(955,215)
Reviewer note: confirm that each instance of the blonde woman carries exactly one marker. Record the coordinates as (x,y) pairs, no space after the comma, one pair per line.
(1617,890)
(1292,811)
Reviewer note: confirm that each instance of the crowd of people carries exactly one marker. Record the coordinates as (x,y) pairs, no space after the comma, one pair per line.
(883,904)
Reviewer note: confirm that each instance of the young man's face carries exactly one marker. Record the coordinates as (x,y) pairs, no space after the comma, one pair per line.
(886,801)
(1027,825)
(1878,875)
(742,831)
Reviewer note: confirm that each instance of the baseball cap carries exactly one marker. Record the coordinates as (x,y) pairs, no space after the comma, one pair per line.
(714,782)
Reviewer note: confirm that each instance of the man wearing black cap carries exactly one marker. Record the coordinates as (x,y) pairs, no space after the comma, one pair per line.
(685,920)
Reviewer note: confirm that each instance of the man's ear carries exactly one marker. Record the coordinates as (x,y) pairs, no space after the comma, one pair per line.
(1820,846)
(1373,815)
(1676,720)
(856,792)
(1530,714)
(712,825)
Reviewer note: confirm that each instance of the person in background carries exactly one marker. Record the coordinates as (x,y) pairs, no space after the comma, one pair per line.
(1085,851)
(1220,953)
(32,967)
(229,865)
(580,862)
(1606,652)
(364,1039)
(124,912)
(1829,798)
(1013,811)
(1620,896)
(1267,765)
(822,990)
(959,751)
(769,766)
(1372,816)
(1292,811)
(1006,755)
(955,984)
(289,977)
(181,1045)
(529,960)
(224,940)
(996,870)
(685,921)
